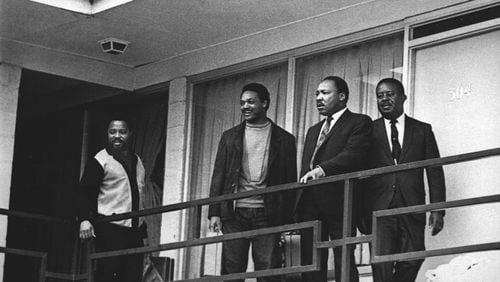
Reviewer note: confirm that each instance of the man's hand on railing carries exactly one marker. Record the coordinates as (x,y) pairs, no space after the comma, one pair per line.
(86,230)
(316,173)
(436,222)
(215,224)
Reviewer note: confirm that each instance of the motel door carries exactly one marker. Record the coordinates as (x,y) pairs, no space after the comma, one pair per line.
(456,88)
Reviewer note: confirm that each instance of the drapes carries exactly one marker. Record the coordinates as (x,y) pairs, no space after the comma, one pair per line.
(216,109)
(149,144)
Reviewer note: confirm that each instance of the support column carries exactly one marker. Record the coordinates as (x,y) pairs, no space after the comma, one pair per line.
(176,165)
(10,77)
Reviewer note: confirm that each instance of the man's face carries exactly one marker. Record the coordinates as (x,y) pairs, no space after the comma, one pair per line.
(252,108)
(390,100)
(328,100)
(118,134)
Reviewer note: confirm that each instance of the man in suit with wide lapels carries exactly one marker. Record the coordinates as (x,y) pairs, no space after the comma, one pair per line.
(337,144)
(397,139)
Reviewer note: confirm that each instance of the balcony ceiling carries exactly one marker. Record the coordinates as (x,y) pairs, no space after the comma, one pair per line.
(157,29)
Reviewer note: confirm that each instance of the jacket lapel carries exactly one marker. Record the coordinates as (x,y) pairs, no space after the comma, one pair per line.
(407,138)
(238,138)
(274,145)
(381,133)
(314,135)
(335,127)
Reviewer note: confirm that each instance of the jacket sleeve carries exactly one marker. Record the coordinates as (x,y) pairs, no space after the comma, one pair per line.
(435,175)
(218,176)
(88,190)
(354,152)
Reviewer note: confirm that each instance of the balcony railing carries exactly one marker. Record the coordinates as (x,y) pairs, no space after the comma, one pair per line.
(346,242)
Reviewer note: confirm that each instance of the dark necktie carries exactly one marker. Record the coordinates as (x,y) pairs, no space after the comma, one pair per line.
(396,147)
(321,139)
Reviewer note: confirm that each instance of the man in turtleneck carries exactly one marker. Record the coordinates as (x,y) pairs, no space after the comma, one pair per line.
(253,155)
(112,183)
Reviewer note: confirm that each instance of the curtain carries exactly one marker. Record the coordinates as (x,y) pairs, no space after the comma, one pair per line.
(149,144)
(216,109)
(361,66)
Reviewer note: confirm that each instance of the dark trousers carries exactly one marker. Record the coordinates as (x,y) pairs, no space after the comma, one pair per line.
(331,228)
(396,235)
(126,268)
(265,251)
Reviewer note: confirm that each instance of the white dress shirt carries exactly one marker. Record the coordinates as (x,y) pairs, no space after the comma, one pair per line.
(400,126)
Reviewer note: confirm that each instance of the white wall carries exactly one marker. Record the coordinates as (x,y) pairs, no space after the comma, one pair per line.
(10,77)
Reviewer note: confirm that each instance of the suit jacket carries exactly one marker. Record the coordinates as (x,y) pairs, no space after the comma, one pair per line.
(419,143)
(282,168)
(344,150)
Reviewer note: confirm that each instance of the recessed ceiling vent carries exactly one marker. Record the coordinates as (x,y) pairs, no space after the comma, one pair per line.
(113,45)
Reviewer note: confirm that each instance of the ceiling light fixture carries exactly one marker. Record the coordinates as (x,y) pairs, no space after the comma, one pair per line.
(113,45)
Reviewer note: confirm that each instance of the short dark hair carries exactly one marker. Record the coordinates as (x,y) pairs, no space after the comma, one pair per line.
(394,82)
(261,91)
(119,116)
(340,84)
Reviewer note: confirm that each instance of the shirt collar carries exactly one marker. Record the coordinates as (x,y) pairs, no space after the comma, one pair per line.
(400,120)
(338,114)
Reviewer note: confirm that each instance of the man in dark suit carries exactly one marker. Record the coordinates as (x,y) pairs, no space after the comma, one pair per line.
(337,144)
(253,155)
(397,139)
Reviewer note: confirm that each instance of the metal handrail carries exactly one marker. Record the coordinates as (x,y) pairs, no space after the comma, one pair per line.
(314,266)
(312,183)
(375,258)
(345,242)
(41,217)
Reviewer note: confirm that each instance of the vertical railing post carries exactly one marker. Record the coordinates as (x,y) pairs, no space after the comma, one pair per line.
(43,268)
(375,238)
(197,225)
(76,262)
(90,268)
(347,229)
(316,254)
